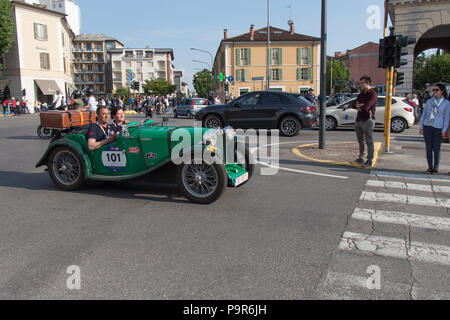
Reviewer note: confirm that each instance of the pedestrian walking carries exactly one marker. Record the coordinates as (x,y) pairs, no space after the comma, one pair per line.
(91,103)
(366,104)
(434,125)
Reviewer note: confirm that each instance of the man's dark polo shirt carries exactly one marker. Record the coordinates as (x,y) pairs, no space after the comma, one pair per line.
(369,99)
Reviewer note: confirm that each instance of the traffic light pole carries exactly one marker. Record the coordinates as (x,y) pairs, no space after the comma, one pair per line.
(323,77)
(387,120)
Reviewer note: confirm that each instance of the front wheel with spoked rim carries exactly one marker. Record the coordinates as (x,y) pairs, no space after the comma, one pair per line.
(330,123)
(66,169)
(398,125)
(289,126)
(201,183)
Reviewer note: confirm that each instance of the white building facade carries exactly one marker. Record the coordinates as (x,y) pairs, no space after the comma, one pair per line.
(68,7)
(146,64)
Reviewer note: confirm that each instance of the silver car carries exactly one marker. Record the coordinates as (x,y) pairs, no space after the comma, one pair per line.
(189,107)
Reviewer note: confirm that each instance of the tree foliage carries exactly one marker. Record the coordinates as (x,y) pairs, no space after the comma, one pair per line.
(431,69)
(7,26)
(159,86)
(122,92)
(202,83)
(340,70)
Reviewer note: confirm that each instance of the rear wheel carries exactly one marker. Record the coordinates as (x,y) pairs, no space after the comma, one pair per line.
(289,126)
(201,183)
(212,121)
(66,169)
(330,123)
(398,125)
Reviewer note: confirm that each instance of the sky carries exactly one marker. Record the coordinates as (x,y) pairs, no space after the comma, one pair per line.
(183,24)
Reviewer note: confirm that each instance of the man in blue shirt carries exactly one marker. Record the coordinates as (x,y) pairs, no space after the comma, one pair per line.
(434,125)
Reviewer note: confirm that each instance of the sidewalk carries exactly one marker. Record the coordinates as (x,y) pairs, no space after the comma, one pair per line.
(407,154)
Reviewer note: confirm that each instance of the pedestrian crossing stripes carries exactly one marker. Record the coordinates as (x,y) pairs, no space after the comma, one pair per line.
(416,198)
(400,218)
(395,248)
(405,199)
(407,186)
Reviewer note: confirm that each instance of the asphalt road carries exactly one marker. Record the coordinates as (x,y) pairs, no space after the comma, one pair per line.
(274,238)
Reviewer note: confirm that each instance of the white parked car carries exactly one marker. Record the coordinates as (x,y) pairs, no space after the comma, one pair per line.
(402,115)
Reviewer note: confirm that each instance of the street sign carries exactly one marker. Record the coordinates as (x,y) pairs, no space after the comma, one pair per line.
(230,79)
(129,71)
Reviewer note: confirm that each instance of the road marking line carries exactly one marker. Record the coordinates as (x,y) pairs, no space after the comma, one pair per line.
(303,172)
(407,186)
(387,174)
(413,220)
(395,248)
(404,199)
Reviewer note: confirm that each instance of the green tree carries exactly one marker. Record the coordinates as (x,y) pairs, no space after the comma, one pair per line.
(340,70)
(122,92)
(7,27)
(202,83)
(159,86)
(431,69)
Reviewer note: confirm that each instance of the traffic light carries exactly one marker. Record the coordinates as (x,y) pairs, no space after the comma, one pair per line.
(137,85)
(227,87)
(388,51)
(400,50)
(400,78)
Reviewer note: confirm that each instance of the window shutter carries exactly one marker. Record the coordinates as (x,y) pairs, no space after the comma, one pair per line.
(47,57)
(270,74)
(35,31)
(238,57)
(238,75)
(299,56)
(280,53)
(249,56)
(245,75)
(310,62)
(299,74)
(309,73)
(41,58)
(280,73)
(45,32)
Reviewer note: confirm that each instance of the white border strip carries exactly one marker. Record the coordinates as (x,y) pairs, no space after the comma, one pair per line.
(388,174)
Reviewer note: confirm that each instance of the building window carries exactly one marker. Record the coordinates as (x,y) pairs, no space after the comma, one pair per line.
(99,47)
(243,57)
(241,75)
(89,57)
(64,62)
(140,54)
(63,39)
(129,54)
(128,65)
(151,75)
(99,57)
(150,64)
(45,60)
(88,46)
(277,57)
(100,68)
(117,65)
(100,78)
(90,67)
(140,76)
(101,88)
(149,54)
(40,32)
(276,74)
(304,56)
(304,74)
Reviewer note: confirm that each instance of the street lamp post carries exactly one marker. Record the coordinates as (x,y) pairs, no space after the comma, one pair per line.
(212,64)
(268,45)
(198,61)
(323,76)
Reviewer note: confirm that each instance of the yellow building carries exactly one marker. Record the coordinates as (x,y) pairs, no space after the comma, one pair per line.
(294,65)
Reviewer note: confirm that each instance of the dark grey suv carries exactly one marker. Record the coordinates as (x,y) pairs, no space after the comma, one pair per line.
(262,110)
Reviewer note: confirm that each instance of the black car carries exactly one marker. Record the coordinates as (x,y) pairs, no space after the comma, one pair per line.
(262,110)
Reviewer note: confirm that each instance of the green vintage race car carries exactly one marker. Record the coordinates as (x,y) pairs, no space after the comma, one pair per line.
(201,172)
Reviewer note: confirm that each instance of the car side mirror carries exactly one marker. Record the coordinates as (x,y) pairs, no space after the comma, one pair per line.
(236,105)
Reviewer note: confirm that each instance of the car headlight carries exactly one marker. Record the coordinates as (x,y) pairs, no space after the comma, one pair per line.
(229,133)
(210,136)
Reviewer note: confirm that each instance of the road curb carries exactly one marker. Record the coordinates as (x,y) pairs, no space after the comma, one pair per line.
(378,145)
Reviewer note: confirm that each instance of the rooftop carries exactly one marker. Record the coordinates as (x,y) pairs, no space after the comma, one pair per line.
(276,34)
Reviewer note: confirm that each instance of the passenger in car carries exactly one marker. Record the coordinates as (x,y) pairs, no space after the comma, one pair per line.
(118,120)
(99,133)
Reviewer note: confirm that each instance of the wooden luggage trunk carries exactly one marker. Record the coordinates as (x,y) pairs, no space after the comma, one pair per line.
(67,119)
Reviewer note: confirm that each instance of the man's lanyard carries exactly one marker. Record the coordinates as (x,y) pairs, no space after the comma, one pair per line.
(103,129)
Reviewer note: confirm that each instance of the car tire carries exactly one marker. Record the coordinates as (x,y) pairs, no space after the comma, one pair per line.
(66,168)
(331,123)
(188,174)
(189,115)
(289,126)
(213,122)
(44,133)
(175,114)
(398,125)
